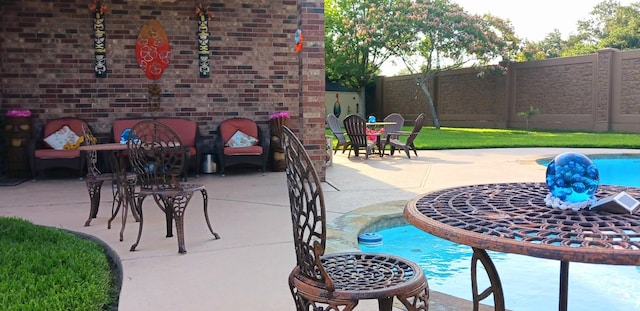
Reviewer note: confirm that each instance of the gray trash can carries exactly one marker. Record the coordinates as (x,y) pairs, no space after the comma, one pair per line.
(208,164)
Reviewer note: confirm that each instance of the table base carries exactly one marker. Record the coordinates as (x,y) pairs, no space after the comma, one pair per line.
(495,286)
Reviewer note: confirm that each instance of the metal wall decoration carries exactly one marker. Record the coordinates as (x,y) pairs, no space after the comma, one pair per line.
(99,10)
(299,40)
(204,14)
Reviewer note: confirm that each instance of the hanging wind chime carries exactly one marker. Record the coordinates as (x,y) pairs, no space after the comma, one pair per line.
(203,15)
(98,11)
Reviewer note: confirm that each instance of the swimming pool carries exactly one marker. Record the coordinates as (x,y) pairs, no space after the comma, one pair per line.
(529,283)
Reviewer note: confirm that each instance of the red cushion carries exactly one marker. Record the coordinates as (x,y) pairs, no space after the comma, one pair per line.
(186,129)
(252,150)
(120,125)
(57,154)
(231,126)
(54,125)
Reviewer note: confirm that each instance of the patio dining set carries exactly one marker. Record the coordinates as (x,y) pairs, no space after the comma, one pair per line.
(369,135)
(156,162)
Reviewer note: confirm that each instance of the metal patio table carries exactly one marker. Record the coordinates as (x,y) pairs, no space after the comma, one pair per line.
(513,218)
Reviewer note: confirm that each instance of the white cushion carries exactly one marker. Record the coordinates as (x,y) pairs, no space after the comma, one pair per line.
(61,137)
(240,139)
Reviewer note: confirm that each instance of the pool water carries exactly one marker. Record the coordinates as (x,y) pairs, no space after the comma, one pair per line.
(529,283)
(622,171)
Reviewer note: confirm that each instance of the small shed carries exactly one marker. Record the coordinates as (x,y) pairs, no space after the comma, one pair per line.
(342,101)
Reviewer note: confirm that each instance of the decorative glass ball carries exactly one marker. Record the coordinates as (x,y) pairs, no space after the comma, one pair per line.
(572,177)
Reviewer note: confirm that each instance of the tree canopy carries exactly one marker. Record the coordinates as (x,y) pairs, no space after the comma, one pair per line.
(610,25)
(430,36)
(427,35)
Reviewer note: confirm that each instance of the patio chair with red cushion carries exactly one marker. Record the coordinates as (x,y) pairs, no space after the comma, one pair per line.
(240,141)
(57,147)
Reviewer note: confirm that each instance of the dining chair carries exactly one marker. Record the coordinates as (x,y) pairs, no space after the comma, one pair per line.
(157,156)
(408,144)
(95,179)
(356,128)
(339,281)
(391,130)
(336,129)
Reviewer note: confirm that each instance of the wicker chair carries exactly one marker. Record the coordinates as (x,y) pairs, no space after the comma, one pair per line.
(339,281)
(408,144)
(356,128)
(95,179)
(157,156)
(336,129)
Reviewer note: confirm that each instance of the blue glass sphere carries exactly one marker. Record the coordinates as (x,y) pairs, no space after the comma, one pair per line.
(572,177)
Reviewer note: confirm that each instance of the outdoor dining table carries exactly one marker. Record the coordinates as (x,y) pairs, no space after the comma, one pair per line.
(513,218)
(374,125)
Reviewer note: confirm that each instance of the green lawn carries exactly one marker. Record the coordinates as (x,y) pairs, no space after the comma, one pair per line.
(43,268)
(471,138)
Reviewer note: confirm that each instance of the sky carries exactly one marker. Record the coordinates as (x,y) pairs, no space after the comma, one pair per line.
(531,20)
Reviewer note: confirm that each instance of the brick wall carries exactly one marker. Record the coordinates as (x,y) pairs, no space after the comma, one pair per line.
(47,62)
(597,92)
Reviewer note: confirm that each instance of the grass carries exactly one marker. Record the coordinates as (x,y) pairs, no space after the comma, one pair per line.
(474,138)
(43,268)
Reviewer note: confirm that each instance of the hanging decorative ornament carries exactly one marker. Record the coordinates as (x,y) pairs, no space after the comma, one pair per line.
(203,15)
(152,49)
(299,39)
(98,11)
(337,110)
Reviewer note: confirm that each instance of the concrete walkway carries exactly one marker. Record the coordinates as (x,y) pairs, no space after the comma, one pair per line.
(247,268)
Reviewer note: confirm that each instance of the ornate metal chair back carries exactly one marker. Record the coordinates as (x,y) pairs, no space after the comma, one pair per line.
(156,155)
(92,155)
(307,208)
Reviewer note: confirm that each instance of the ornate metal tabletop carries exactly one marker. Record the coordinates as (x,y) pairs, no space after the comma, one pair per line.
(513,218)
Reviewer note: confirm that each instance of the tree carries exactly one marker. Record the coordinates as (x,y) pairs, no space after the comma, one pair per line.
(428,35)
(360,36)
(447,37)
(550,47)
(610,25)
(528,114)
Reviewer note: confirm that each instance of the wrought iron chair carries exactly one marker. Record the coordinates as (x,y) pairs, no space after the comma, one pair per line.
(336,129)
(356,128)
(408,144)
(391,130)
(338,281)
(157,156)
(95,179)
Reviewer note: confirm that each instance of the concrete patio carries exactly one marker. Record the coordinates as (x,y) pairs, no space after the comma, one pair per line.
(247,268)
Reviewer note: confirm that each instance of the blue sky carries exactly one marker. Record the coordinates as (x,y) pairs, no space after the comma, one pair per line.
(534,19)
